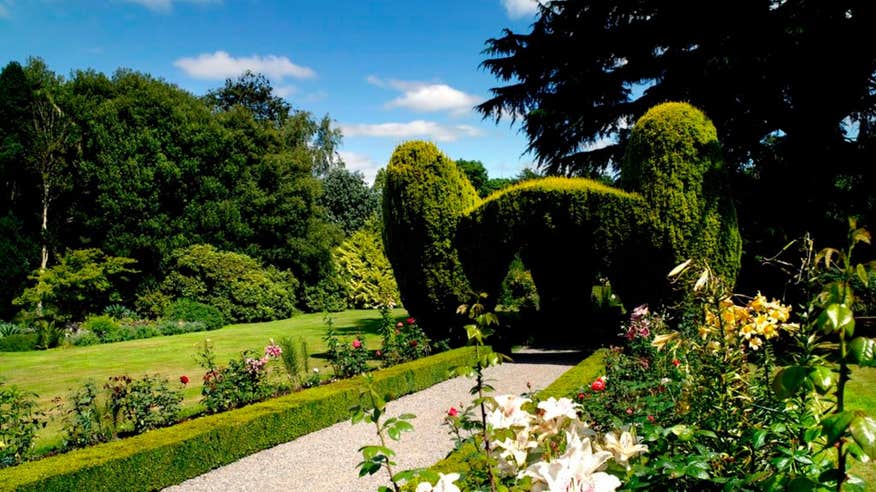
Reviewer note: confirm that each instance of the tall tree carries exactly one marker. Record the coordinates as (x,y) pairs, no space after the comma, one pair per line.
(348,199)
(787,83)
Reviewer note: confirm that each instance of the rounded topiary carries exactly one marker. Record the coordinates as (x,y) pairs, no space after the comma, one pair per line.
(674,161)
(423,198)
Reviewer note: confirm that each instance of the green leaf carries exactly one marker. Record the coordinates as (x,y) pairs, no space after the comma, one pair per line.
(403,426)
(822,378)
(789,380)
(837,317)
(394,433)
(759,438)
(835,426)
(862,275)
(683,432)
(369,452)
(855,484)
(407,416)
(801,484)
(863,429)
(863,351)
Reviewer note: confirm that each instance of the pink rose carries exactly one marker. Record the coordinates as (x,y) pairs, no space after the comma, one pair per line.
(357,343)
(598,385)
(453,412)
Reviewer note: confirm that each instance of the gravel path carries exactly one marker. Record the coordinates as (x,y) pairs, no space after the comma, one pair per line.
(326,460)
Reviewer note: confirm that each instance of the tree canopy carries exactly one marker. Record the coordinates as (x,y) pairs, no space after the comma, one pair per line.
(789,84)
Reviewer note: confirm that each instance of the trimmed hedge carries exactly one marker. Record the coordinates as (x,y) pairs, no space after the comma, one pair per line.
(423,197)
(674,160)
(443,242)
(171,455)
(571,381)
(568,232)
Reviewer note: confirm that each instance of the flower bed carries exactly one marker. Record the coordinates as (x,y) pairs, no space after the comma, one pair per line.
(171,455)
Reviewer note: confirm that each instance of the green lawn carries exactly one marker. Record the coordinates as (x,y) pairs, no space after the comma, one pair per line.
(56,372)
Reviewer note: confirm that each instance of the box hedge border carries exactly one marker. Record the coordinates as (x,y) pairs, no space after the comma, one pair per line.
(174,454)
(570,382)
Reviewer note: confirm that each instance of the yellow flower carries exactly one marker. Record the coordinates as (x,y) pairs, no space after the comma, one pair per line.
(757,304)
(705,331)
(754,343)
(748,330)
(769,331)
(660,341)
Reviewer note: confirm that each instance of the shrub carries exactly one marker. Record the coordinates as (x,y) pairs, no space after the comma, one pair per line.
(168,327)
(674,160)
(235,284)
(7,329)
(423,198)
(84,281)
(85,422)
(241,382)
(366,270)
(329,294)
(21,342)
(295,359)
(119,312)
(189,310)
(84,338)
(19,422)
(104,327)
(146,403)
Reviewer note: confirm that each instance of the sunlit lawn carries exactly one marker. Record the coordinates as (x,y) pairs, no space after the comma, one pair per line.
(55,373)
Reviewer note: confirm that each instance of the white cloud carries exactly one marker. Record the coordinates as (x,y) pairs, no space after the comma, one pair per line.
(166,5)
(416,128)
(221,65)
(427,97)
(285,90)
(355,161)
(518,9)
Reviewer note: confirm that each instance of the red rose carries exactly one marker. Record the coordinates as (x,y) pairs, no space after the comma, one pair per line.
(184,379)
(598,385)
(411,321)
(651,418)
(413,343)
(580,396)
(676,362)
(357,343)
(453,412)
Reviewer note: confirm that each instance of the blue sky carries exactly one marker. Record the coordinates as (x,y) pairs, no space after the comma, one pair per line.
(385,71)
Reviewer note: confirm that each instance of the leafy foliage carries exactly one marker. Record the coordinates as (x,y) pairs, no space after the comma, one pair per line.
(349,201)
(189,310)
(84,281)
(235,284)
(423,198)
(366,270)
(19,421)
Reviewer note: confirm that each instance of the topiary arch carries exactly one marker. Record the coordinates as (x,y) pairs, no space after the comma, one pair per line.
(444,243)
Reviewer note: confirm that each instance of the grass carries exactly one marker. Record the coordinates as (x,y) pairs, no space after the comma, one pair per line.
(53,374)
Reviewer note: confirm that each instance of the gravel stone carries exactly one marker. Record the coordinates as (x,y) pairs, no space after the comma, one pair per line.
(326,460)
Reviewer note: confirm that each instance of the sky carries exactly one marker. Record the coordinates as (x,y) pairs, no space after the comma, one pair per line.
(384,71)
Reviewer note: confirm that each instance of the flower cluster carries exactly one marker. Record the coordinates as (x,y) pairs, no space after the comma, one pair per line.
(553,447)
(640,323)
(273,350)
(750,325)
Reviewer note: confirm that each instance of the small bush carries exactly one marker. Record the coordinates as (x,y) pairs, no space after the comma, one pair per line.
(330,294)
(178,327)
(146,403)
(189,310)
(85,421)
(19,422)
(21,342)
(119,312)
(294,358)
(103,326)
(85,338)
(7,329)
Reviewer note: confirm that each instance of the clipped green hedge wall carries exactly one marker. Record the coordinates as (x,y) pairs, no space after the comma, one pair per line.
(568,231)
(423,197)
(171,455)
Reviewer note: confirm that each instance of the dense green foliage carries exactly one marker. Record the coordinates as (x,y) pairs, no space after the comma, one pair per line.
(673,159)
(423,196)
(84,281)
(152,460)
(366,271)
(139,168)
(194,311)
(799,148)
(348,200)
(571,233)
(235,284)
